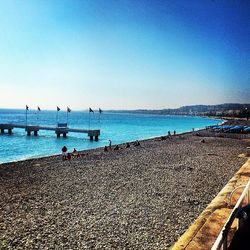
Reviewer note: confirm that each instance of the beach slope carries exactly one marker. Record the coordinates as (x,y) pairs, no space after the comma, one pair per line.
(140,197)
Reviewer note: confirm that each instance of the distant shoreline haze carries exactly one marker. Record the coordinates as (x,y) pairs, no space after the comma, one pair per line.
(226,109)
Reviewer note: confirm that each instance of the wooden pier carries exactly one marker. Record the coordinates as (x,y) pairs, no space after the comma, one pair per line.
(59,130)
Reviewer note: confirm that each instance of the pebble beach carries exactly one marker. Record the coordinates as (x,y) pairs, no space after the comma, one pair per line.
(141,197)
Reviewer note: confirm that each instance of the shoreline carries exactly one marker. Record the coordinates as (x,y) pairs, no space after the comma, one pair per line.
(32,154)
(137,197)
(102,147)
(96,149)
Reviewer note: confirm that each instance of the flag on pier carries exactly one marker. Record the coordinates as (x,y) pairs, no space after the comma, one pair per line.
(68,111)
(58,109)
(100,112)
(90,111)
(26,115)
(38,108)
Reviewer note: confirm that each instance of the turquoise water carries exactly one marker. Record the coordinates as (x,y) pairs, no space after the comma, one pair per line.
(119,127)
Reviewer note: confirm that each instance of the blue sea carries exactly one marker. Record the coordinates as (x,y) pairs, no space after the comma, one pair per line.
(118,127)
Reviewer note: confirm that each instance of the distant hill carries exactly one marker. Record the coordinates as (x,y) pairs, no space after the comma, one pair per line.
(213,108)
(227,109)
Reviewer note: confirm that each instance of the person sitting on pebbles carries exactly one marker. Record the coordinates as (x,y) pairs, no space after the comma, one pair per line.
(75,153)
(116,147)
(69,156)
(64,153)
(137,143)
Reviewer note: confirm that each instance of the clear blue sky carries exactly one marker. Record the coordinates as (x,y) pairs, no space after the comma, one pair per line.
(124,54)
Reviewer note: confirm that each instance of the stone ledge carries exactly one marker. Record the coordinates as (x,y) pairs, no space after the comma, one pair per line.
(205,229)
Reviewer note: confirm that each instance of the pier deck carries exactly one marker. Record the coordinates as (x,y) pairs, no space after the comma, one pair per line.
(92,133)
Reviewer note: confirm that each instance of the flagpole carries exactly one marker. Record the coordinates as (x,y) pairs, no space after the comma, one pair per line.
(37,117)
(100,112)
(26,116)
(89,119)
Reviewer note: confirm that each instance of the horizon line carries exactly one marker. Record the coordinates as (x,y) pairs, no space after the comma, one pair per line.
(136,109)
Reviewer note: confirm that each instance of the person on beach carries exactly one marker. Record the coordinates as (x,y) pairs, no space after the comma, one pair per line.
(169,135)
(174,132)
(105,149)
(64,153)
(110,144)
(137,143)
(69,156)
(127,145)
(116,147)
(75,153)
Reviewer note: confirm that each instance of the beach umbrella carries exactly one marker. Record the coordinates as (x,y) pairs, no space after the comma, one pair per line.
(247,130)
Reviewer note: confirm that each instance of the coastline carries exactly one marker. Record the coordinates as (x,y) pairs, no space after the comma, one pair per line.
(86,151)
(102,147)
(37,147)
(134,197)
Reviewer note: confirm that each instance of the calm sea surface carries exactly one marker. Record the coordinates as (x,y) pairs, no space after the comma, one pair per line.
(119,127)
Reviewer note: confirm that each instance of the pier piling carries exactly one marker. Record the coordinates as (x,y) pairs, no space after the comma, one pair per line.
(93,134)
